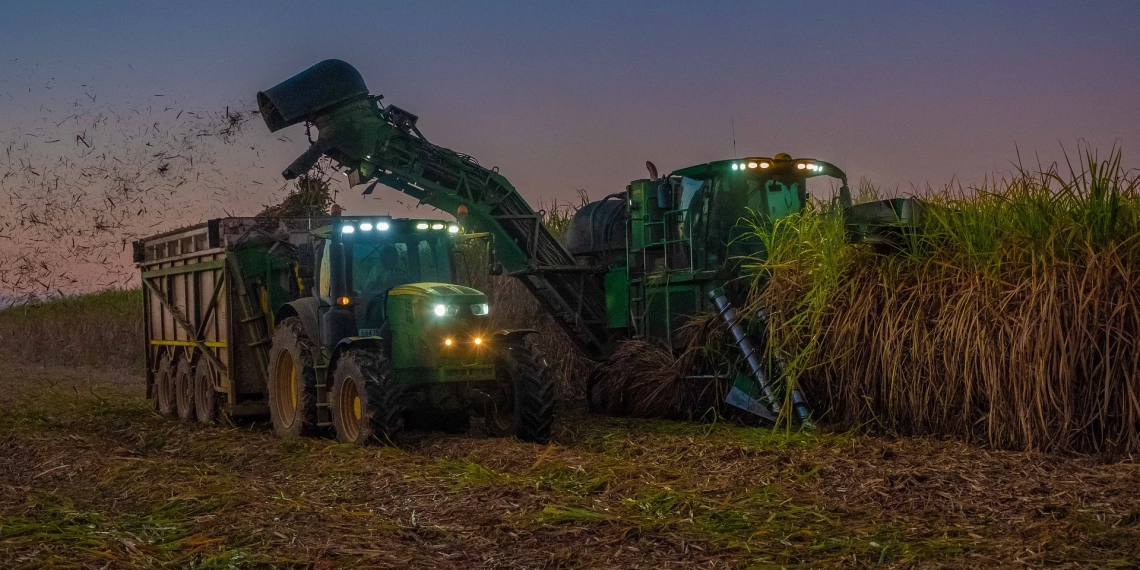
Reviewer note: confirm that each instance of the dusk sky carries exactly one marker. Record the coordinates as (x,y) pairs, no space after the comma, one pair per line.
(566,96)
(579,95)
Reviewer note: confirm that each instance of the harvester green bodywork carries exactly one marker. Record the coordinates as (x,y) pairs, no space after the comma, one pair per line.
(636,265)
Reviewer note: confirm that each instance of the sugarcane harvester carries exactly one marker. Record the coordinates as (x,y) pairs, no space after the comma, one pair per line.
(634,265)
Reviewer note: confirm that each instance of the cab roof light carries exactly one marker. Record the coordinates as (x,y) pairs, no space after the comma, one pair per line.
(383,226)
(437,226)
(365,227)
(452,229)
(422,226)
(347,229)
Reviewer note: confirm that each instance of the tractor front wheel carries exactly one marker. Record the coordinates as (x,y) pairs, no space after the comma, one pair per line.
(526,383)
(292,382)
(365,398)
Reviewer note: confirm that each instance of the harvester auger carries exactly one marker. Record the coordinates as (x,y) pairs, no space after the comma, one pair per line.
(635,265)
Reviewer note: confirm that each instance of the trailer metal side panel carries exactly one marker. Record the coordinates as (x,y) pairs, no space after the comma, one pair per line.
(192,299)
(180,271)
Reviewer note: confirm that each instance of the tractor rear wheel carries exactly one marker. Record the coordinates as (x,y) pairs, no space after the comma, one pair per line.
(205,397)
(365,398)
(292,384)
(526,382)
(164,385)
(184,389)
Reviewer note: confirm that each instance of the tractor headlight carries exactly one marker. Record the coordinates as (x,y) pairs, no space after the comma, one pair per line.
(441,310)
(480,309)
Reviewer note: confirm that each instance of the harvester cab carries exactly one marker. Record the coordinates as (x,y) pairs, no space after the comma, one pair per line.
(674,245)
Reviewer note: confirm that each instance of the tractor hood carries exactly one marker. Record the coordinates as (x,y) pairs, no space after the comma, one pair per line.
(441,291)
(442,299)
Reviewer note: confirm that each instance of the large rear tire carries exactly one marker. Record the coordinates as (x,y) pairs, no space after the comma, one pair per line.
(164,385)
(292,385)
(205,397)
(184,389)
(525,380)
(365,399)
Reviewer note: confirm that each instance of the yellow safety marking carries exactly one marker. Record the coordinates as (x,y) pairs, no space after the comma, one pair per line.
(213,344)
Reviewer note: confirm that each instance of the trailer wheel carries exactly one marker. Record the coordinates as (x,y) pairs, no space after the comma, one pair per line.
(292,384)
(184,389)
(365,398)
(526,382)
(205,397)
(164,385)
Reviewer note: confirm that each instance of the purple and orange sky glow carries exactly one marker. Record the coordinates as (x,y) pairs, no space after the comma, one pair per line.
(568,96)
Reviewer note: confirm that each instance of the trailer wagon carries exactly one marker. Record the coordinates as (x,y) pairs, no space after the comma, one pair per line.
(210,292)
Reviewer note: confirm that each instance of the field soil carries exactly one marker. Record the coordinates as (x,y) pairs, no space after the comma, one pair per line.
(91,477)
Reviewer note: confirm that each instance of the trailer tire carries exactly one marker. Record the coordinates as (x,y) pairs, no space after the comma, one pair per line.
(365,398)
(523,372)
(164,385)
(205,397)
(184,389)
(292,382)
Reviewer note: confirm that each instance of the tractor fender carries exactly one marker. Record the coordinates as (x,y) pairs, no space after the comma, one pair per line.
(376,342)
(306,309)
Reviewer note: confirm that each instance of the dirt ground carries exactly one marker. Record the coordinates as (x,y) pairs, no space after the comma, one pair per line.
(90,477)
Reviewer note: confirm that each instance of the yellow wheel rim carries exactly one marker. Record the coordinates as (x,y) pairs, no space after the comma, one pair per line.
(285,389)
(293,386)
(356,408)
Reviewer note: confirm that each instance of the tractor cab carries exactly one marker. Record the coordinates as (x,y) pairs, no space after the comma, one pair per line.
(392,280)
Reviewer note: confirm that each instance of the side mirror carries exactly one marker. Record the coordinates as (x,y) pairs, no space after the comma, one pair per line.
(493,265)
(665,196)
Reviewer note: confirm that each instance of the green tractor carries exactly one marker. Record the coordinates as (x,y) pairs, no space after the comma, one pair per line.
(385,338)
